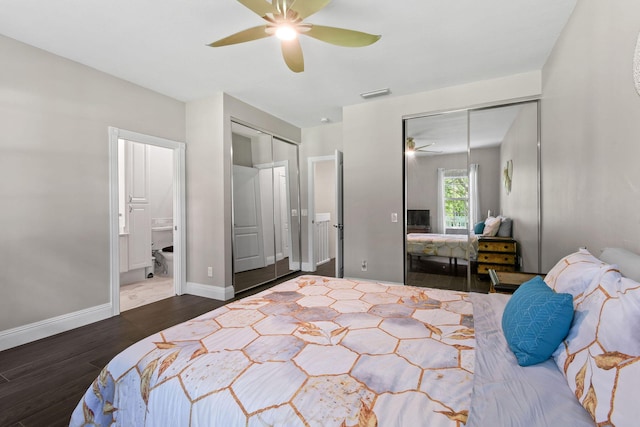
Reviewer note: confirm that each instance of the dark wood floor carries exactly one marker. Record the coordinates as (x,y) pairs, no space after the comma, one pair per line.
(42,382)
(438,272)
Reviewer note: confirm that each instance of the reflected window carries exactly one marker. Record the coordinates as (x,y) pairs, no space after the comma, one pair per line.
(455,199)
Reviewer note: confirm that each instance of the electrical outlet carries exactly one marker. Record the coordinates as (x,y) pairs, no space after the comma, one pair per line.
(364,265)
(210,271)
(394,217)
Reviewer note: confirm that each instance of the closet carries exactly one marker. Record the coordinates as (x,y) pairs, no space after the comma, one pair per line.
(266,207)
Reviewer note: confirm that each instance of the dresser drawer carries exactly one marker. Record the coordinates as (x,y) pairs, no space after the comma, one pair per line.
(484,268)
(497,258)
(497,246)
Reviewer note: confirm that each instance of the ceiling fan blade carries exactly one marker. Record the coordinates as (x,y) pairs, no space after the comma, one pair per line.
(306,8)
(292,53)
(261,7)
(247,35)
(341,36)
(424,146)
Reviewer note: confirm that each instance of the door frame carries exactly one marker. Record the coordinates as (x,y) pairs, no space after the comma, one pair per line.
(179,209)
(311,205)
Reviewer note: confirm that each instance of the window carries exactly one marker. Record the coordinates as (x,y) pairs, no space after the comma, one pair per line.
(456,198)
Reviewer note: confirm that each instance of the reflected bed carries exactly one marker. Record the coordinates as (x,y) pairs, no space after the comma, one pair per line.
(452,246)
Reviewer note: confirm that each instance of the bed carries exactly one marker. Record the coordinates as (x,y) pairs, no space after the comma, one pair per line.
(317,351)
(452,246)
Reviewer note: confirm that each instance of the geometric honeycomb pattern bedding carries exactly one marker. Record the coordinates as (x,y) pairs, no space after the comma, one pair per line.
(312,351)
(444,245)
(600,356)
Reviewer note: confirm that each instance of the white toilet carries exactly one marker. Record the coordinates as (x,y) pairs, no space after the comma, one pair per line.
(168,257)
(162,237)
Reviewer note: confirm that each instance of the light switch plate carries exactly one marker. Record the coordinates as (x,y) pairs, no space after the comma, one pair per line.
(394,217)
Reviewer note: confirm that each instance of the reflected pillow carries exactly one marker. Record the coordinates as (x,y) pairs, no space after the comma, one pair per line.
(491,226)
(478,228)
(505,229)
(535,321)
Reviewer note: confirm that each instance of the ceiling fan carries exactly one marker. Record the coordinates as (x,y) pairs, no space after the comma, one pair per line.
(411,148)
(285,20)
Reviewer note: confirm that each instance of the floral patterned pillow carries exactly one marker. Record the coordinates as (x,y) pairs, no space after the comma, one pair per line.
(573,273)
(600,356)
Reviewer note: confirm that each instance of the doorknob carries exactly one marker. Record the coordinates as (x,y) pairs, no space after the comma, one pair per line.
(338,226)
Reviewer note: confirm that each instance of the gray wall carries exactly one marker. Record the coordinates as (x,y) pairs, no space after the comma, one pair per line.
(422,182)
(208,123)
(591,133)
(54,183)
(373,163)
(520,145)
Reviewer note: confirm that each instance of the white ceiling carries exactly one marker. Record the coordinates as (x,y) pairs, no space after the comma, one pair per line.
(162,45)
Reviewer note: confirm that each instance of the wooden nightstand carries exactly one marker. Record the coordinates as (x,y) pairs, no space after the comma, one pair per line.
(508,282)
(496,253)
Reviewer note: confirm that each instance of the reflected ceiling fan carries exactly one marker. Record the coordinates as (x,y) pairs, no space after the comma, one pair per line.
(285,20)
(411,148)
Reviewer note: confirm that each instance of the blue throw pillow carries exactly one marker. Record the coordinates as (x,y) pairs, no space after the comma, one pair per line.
(535,321)
(478,228)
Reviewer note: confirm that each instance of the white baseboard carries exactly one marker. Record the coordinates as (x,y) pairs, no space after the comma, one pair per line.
(208,291)
(306,266)
(45,328)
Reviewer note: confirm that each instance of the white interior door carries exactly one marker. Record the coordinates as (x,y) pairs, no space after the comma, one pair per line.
(339,217)
(247,227)
(285,236)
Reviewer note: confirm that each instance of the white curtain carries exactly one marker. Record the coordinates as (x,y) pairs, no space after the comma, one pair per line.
(474,197)
(440,214)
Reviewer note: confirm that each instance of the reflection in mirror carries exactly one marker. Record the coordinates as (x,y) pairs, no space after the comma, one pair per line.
(265,198)
(286,207)
(505,139)
(488,194)
(437,201)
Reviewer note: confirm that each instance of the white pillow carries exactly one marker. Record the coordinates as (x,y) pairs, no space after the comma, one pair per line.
(573,273)
(600,357)
(627,262)
(491,226)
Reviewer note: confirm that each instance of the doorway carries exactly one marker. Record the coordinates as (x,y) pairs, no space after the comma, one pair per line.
(147,206)
(325,213)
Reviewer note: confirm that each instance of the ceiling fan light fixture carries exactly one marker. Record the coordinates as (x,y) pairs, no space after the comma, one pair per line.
(286,32)
(285,20)
(410,147)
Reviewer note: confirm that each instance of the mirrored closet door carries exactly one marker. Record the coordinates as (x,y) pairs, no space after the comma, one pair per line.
(436,200)
(266,222)
(472,187)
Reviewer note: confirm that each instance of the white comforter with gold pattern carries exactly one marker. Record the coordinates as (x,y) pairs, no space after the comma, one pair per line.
(309,352)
